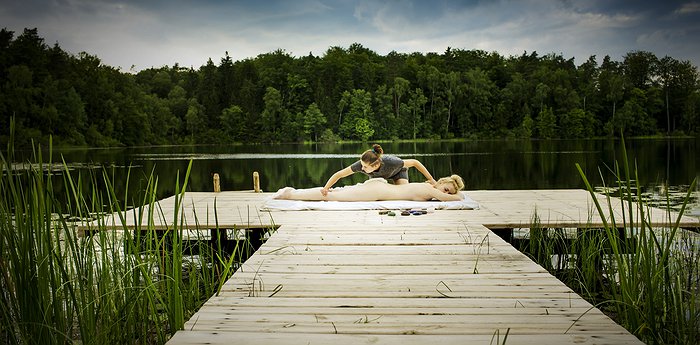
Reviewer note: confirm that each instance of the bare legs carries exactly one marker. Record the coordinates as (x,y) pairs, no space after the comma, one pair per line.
(372,190)
(311,194)
(368,191)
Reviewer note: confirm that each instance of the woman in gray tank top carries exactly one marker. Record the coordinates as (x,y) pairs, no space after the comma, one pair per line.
(374,164)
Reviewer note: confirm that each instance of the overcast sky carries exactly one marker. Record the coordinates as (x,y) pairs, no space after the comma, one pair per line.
(158,33)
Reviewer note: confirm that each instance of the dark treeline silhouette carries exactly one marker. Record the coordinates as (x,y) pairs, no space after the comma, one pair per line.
(350,94)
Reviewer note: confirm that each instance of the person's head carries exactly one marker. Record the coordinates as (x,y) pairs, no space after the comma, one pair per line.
(371,159)
(450,185)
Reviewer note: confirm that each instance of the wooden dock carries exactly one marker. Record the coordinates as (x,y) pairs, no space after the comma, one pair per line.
(357,277)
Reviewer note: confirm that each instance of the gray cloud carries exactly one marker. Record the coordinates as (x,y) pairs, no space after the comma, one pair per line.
(157,33)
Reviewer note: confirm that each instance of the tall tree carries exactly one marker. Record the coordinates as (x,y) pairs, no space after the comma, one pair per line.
(479,90)
(416,105)
(233,123)
(640,68)
(452,90)
(313,122)
(611,88)
(358,117)
(546,124)
(384,116)
(226,81)
(588,74)
(161,83)
(208,95)
(430,78)
(273,114)
(335,77)
(195,118)
(399,89)
(632,119)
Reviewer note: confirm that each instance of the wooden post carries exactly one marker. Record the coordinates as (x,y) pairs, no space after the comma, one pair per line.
(256,181)
(217,184)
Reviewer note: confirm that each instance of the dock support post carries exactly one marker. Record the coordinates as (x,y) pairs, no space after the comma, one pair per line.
(217,184)
(256,181)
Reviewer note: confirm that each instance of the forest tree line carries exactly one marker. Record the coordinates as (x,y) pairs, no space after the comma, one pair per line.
(347,94)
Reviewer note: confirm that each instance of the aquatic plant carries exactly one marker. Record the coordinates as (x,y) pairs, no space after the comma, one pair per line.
(113,286)
(646,278)
(654,286)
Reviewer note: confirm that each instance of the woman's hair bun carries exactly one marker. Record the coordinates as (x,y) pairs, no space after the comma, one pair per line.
(377,149)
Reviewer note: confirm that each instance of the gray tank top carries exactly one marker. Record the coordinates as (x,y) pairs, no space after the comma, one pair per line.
(391,168)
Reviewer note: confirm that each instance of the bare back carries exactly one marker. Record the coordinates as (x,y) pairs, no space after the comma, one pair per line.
(380,190)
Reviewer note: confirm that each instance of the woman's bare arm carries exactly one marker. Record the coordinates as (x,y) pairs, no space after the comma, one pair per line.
(442,196)
(414,163)
(347,171)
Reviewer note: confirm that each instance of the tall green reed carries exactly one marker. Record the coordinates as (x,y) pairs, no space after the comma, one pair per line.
(653,291)
(118,286)
(646,278)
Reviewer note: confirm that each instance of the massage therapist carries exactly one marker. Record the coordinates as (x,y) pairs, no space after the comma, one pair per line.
(374,164)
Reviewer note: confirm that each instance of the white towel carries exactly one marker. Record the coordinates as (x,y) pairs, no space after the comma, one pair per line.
(296,205)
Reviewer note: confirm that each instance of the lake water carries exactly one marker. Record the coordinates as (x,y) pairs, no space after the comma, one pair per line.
(496,164)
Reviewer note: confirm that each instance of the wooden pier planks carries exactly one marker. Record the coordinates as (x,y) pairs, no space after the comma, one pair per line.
(356,277)
(499,209)
(391,283)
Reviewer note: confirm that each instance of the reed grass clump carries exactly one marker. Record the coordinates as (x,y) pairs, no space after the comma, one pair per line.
(118,286)
(646,278)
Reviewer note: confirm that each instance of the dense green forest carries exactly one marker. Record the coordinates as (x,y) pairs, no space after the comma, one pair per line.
(347,94)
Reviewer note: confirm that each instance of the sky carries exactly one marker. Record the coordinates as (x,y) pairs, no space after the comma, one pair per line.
(133,35)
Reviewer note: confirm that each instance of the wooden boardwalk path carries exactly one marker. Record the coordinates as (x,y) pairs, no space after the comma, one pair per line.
(357,277)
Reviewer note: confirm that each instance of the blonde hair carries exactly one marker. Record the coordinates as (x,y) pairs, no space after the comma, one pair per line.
(456,181)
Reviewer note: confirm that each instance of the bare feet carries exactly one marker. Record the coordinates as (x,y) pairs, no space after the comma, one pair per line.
(284,193)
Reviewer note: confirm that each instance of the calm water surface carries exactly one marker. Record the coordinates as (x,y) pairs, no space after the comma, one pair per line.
(498,164)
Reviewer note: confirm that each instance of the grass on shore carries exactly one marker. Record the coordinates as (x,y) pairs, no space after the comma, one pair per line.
(117,286)
(648,282)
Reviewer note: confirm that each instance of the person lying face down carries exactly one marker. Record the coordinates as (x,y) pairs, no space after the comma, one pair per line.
(445,189)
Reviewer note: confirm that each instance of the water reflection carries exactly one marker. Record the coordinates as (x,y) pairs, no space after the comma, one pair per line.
(496,164)
(205,156)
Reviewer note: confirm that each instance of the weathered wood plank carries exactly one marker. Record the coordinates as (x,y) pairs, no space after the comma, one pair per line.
(388,302)
(427,270)
(522,326)
(496,337)
(269,291)
(423,310)
(358,277)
